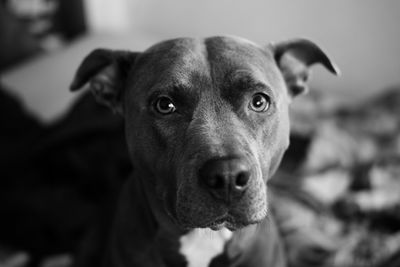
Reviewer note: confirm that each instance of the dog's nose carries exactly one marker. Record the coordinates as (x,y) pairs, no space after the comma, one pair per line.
(225,178)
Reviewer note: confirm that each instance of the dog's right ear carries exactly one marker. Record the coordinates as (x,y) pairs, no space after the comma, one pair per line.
(106,71)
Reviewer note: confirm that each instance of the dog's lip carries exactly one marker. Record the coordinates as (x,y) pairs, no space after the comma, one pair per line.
(230,222)
(222,222)
(218,223)
(214,222)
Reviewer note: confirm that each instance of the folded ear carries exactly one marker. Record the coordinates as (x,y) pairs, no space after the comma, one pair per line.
(294,57)
(106,72)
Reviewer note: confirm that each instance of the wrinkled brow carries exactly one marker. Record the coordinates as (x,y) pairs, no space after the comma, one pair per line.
(240,83)
(182,93)
(245,81)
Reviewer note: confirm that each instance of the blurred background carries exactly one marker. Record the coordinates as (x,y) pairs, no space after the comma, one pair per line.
(345,155)
(362,37)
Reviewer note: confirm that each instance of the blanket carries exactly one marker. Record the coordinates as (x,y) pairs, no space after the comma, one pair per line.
(340,205)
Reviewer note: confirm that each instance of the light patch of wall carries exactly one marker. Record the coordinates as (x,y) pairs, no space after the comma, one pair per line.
(362,36)
(108,16)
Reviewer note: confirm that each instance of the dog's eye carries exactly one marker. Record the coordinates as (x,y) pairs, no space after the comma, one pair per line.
(260,102)
(164,105)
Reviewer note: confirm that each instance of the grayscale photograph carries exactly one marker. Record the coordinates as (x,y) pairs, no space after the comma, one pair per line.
(213,133)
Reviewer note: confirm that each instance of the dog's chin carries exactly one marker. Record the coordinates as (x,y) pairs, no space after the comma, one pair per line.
(232,226)
(219,223)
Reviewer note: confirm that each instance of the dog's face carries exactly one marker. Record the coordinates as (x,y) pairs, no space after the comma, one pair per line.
(206,120)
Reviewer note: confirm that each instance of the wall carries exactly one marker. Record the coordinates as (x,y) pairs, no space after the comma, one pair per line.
(363,36)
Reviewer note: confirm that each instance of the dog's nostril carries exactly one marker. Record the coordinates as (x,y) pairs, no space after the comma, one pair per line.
(242,179)
(216,181)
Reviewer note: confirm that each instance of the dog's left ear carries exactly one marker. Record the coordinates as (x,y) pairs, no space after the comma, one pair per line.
(106,72)
(294,57)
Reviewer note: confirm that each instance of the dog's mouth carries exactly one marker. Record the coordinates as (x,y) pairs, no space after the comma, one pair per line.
(219,223)
(226,221)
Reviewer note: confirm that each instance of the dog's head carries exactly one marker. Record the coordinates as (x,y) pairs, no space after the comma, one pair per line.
(206,119)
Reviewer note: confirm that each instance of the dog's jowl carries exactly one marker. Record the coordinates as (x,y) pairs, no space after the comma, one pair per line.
(206,126)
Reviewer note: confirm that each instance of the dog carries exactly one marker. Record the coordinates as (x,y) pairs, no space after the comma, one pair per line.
(206,124)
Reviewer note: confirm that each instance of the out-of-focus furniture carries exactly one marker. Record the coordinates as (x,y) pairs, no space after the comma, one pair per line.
(43,82)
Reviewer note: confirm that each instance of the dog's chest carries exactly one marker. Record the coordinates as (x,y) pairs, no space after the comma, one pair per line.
(199,247)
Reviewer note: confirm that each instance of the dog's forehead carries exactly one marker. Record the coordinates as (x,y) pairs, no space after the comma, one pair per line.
(223,53)
(236,52)
(170,62)
(214,62)
(181,52)
(234,57)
